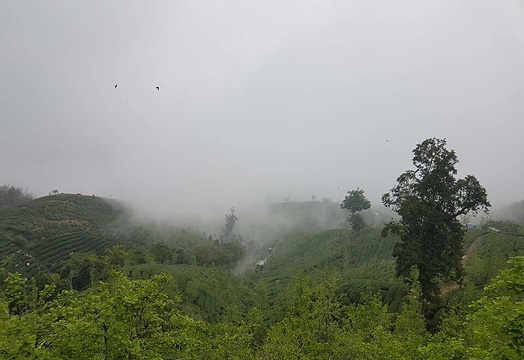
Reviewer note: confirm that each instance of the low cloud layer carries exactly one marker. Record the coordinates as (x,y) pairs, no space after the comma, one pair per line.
(256,100)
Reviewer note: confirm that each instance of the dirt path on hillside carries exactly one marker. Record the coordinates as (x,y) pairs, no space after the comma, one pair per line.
(474,246)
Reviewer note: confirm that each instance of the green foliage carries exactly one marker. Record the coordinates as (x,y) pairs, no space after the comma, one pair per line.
(84,270)
(163,254)
(499,315)
(364,260)
(116,257)
(228,341)
(429,200)
(52,254)
(410,323)
(310,326)
(493,328)
(205,255)
(323,295)
(357,222)
(119,319)
(209,293)
(355,201)
(42,234)
(491,253)
(231,253)
(140,255)
(227,254)
(319,327)
(144,316)
(50,216)
(15,294)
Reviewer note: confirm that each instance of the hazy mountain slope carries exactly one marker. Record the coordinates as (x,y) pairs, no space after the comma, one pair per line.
(321,214)
(42,233)
(513,212)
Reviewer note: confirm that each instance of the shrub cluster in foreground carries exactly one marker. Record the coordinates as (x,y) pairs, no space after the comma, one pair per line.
(137,319)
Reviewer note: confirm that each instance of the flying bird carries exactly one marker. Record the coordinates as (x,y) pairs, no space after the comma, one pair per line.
(158,87)
(116,85)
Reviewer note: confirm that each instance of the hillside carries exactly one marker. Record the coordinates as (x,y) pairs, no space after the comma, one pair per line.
(58,214)
(202,299)
(363,263)
(488,253)
(44,232)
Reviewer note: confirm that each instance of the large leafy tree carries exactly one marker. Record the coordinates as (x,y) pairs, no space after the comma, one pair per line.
(356,201)
(429,200)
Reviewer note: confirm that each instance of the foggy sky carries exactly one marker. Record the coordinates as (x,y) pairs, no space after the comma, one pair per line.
(258,99)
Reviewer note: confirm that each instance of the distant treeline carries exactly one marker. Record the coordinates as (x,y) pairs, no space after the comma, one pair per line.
(11,196)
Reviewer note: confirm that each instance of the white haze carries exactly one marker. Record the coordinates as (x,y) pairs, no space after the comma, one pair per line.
(258,100)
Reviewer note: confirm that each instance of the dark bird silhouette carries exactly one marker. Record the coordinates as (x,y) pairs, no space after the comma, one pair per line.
(158,87)
(116,85)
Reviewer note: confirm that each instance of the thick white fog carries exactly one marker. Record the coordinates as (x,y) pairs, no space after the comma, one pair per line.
(257,100)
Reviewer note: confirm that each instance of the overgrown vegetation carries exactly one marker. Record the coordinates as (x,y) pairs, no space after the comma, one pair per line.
(80,278)
(144,319)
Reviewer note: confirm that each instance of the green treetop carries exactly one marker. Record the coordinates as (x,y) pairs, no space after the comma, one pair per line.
(429,200)
(355,201)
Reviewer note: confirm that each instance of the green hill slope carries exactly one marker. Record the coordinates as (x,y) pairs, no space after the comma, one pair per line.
(487,252)
(340,248)
(43,233)
(58,214)
(363,262)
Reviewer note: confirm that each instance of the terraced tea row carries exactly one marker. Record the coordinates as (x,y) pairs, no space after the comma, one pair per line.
(53,252)
(392,293)
(7,248)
